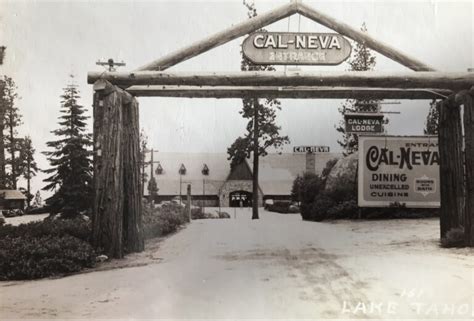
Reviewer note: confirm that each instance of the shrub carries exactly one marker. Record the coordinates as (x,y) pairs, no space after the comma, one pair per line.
(78,228)
(311,186)
(454,238)
(12,213)
(36,257)
(223,215)
(198,214)
(162,220)
(282,207)
(321,206)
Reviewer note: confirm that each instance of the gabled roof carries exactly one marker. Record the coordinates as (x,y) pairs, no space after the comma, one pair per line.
(169,181)
(11,194)
(276,174)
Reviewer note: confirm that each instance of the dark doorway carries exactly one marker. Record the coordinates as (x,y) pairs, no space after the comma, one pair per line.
(237,197)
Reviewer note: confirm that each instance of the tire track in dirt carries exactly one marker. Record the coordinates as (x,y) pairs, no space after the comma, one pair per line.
(318,277)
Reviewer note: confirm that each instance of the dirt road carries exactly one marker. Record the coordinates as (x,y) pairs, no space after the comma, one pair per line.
(276,267)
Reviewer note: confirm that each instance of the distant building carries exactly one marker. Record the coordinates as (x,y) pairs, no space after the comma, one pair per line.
(11,199)
(213,183)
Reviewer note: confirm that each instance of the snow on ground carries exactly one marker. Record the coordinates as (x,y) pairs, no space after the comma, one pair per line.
(17,220)
(276,267)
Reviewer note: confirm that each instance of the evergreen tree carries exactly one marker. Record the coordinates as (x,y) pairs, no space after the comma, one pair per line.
(70,159)
(262,131)
(3,182)
(3,104)
(29,168)
(432,119)
(143,163)
(296,189)
(11,142)
(152,189)
(38,201)
(361,60)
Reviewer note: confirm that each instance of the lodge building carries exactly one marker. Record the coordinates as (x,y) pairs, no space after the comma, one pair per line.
(213,183)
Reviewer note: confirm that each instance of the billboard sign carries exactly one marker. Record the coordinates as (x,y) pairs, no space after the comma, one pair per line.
(311,149)
(289,48)
(364,123)
(398,169)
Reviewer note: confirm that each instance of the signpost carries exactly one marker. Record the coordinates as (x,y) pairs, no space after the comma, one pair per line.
(364,123)
(288,48)
(311,149)
(398,169)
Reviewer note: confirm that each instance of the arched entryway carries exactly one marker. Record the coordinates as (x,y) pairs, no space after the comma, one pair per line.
(238,197)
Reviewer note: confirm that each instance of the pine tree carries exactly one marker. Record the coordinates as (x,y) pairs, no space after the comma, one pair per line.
(262,131)
(70,159)
(361,60)
(11,142)
(29,168)
(297,189)
(3,104)
(152,189)
(432,119)
(143,163)
(38,201)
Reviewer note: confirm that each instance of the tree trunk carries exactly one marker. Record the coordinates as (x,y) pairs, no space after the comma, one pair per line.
(107,229)
(28,184)
(132,209)
(451,166)
(469,158)
(255,162)
(12,154)
(2,144)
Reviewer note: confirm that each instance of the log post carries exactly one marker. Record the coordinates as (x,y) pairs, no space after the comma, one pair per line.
(117,220)
(451,166)
(188,202)
(108,174)
(467,98)
(132,208)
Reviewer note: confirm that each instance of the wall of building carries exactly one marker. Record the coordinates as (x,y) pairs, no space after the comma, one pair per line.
(237,185)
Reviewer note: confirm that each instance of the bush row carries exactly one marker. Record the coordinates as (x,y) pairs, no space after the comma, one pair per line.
(162,220)
(198,214)
(42,249)
(282,207)
(318,204)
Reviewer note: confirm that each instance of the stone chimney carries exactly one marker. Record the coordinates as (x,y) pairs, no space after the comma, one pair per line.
(310,163)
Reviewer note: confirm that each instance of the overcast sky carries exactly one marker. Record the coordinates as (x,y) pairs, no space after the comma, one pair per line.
(47,41)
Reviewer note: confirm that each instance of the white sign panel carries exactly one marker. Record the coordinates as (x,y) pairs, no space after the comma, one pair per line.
(311,149)
(398,169)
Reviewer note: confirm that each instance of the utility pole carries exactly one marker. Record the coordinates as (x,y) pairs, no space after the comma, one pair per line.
(111,64)
(151,162)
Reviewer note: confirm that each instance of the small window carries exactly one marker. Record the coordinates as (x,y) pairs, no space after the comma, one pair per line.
(205,170)
(182,170)
(159,169)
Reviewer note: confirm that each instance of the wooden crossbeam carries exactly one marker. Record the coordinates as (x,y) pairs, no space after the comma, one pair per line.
(356,35)
(221,38)
(440,80)
(286,92)
(279,13)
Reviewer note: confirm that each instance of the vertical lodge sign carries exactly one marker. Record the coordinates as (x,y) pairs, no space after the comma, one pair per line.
(398,169)
(287,48)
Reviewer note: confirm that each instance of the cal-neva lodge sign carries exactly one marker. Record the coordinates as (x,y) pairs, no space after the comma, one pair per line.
(287,48)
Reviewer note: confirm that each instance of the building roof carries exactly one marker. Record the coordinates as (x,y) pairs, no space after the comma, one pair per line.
(11,194)
(276,174)
(169,180)
(278,171)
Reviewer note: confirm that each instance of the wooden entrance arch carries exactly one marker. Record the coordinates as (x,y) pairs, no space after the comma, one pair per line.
(117,205)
